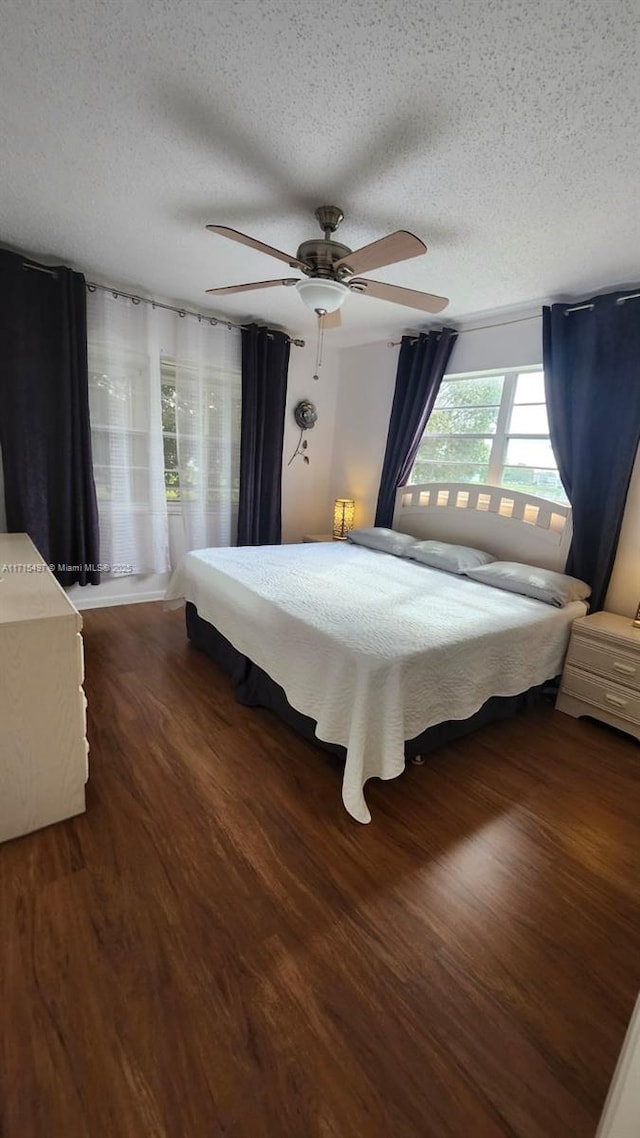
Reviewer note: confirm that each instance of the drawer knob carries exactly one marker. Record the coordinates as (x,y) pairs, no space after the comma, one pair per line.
(615,700)
(628,669)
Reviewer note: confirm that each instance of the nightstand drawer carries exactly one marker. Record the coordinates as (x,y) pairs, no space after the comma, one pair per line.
(599,692)
(620,666)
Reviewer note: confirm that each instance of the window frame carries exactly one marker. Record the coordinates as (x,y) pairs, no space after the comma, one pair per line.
(500,438)
(220,378)
(174,505)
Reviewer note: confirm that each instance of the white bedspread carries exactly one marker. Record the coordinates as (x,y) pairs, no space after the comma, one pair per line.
(375,648)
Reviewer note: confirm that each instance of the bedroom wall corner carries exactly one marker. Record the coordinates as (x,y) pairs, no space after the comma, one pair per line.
(515,343)
(624,588)
(367,377)
(136,588)
(307,501)
(119,591)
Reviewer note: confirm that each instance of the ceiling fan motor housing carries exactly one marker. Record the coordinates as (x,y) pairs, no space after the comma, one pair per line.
(322,255)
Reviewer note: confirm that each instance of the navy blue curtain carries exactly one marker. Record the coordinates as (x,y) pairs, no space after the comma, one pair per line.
(45,434)
(265,364)
(592,378)
(421,366)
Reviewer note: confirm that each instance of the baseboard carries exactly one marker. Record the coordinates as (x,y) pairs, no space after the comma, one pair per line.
(121,599)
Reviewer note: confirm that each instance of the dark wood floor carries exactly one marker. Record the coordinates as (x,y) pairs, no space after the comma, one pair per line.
(216,948)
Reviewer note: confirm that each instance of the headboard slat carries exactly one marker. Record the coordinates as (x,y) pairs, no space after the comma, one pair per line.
(511,525)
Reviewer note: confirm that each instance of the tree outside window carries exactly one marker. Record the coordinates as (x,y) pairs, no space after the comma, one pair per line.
(491,429)
(209,417)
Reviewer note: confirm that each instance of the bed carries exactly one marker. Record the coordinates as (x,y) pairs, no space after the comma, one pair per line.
(376,655)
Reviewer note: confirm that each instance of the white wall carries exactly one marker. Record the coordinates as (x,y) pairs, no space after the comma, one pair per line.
(367,377)
(515,344)
(307,501)
(624,589)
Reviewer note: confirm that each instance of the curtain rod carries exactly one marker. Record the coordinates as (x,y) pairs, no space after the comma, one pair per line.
(117,292)
(39,268)
(479,328)
(583,307)
(182,312)
(522,319)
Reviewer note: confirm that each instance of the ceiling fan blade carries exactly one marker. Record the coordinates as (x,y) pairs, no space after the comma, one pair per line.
(252,285)
(331,320)
(253,243)
(398,246)
(410,297)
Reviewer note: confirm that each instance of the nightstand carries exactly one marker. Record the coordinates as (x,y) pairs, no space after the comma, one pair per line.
(601,675)
(319,537)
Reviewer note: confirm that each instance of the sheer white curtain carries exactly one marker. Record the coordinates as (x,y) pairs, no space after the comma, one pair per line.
(126,431)
(165,398)
(208,394)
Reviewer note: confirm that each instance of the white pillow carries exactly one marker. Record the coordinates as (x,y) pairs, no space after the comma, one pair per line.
(450,558)
(386,540)
(529,580)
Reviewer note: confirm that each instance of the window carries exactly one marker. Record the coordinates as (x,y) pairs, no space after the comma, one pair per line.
(200,433)
(165,429)
(491,428)
(125,436)
(169,433)
(119,401)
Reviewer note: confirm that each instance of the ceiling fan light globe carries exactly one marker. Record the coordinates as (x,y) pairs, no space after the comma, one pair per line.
(322,294)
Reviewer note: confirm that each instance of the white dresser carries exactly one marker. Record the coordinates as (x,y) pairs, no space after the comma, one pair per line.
(43,747)
(601,675)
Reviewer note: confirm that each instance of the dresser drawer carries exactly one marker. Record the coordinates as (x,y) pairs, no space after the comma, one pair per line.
(606,661)
(601,693)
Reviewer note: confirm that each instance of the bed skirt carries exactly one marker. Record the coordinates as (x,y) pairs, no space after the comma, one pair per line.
(254,688)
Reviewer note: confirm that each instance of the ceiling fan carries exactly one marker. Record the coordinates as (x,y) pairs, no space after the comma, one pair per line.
(330,269)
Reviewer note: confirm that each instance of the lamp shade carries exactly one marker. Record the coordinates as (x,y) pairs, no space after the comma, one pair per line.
(343,515)
(326,296)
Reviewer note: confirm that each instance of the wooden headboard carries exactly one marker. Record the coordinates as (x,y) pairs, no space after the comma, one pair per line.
(510,525)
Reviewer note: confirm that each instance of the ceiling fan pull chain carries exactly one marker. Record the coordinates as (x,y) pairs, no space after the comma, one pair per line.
(320,344)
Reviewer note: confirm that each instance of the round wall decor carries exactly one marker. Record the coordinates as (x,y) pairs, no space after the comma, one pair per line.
(305,414)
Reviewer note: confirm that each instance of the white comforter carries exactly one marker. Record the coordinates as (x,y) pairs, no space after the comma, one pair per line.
(375,648)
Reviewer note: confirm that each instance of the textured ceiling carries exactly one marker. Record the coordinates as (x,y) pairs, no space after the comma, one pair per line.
(504,133)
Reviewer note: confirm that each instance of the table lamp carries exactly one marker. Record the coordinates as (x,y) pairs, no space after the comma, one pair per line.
(343,515)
